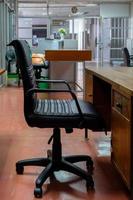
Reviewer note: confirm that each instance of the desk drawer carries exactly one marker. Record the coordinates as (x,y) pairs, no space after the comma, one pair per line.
(121,104)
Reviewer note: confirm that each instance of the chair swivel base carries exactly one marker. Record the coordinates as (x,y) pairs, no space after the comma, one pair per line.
(55,162)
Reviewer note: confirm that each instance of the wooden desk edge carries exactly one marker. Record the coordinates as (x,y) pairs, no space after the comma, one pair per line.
(118,86)
(68,55)
(2,71)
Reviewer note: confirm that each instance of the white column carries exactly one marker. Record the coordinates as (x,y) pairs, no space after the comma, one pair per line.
(131,24)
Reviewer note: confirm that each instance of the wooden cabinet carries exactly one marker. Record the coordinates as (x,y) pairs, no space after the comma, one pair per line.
(113,97)
(121,135)
(98,92)
(88,95)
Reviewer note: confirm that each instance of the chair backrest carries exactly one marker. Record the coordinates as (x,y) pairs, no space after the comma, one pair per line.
(126,56)
(24,61)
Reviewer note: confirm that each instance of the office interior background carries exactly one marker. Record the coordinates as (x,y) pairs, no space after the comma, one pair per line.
(104,27)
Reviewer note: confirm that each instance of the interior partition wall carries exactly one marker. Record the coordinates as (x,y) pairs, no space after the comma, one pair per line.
(7,33)
(4,36)
(3,33)
(28,27)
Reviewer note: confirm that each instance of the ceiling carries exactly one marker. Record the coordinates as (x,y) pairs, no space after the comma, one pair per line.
(76,2)
(62,8)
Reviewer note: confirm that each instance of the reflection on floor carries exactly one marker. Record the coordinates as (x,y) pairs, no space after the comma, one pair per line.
(103,145)
(18,141)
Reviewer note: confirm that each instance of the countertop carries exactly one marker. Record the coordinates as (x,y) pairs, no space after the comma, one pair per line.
(120,77)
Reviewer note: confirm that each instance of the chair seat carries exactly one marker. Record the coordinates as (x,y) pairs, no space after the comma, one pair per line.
(56,107)
(64,113)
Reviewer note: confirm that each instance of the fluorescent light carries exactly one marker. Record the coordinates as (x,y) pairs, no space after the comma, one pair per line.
(91,4)
(45,13)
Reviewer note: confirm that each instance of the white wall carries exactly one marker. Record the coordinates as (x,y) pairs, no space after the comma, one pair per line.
(130,35)
(114,10)
(131,20)
(79,28)
(25,26)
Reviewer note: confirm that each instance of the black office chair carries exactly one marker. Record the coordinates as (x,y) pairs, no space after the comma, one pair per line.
(38,67)
(127,57)
(51,113)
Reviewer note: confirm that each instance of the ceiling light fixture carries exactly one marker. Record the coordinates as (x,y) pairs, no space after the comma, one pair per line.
(91,4)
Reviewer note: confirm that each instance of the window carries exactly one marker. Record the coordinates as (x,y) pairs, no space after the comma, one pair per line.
(39,30)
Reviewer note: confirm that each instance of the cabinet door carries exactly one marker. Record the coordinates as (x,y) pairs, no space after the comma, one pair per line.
(121,145)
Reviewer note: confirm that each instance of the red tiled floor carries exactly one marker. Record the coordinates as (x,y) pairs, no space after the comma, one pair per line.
(18,141)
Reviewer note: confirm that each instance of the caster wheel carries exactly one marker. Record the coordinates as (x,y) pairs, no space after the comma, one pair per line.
(89,185)
(38,192)
(49,153)
(19,169)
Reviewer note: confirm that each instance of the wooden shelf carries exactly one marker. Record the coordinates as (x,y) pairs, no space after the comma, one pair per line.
(68,55)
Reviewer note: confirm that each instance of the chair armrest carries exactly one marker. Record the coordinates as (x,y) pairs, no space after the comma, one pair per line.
(40,66)
(37,90)
(54,81)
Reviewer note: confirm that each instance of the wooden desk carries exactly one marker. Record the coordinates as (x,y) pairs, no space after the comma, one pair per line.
(38,58)
(2,71)
(111,91)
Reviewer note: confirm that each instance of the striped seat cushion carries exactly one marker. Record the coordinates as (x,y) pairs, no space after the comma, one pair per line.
(55,107)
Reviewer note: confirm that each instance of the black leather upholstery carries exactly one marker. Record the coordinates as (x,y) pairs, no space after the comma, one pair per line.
(63,113)
(127,57)
(56,114)
(36,115)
